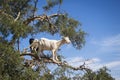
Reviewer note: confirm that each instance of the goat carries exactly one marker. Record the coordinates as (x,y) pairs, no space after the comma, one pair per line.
(52,45)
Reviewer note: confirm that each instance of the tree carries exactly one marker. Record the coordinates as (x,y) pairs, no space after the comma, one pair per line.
(18,20)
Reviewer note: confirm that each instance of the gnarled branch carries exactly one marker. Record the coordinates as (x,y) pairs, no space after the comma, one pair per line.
(41,18)
(49,60)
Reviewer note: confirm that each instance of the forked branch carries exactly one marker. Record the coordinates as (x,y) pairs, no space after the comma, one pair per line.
(41,18)
(49,60)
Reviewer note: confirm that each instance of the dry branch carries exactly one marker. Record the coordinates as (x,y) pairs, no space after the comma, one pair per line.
(18,16)
(49,60)
(41,18)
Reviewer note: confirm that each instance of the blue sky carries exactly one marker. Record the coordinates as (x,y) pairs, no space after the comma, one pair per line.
(101,20)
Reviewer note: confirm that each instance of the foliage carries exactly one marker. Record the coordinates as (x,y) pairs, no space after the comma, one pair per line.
(11,66)
(101,74)
(51,3)
(9,27)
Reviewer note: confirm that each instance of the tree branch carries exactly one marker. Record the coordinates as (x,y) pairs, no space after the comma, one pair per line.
(41,18)
(18,16)
(49,60)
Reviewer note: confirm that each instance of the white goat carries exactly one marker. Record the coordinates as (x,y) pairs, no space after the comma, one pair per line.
(52,45)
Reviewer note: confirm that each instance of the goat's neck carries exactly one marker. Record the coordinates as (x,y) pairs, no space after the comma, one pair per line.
(60,42)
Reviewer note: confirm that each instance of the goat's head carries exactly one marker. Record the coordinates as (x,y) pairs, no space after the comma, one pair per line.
(67,40)
(33,44)
(31,40)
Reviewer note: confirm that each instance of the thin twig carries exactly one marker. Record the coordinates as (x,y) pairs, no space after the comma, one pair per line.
(18,16)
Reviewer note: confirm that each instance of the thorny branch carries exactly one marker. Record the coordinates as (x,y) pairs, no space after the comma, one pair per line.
(44,18)
(41,18)
(49,60)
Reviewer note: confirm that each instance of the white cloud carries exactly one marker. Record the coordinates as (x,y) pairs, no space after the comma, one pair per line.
(109,44)
(109,41)
(110,65)
(112,41)
(113,64)
(94,63)
(77,61)
(118,78)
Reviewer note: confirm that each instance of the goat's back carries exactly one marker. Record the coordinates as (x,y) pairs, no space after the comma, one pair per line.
(47,43)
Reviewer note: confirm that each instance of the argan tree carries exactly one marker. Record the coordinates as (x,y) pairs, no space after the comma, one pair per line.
(22,18)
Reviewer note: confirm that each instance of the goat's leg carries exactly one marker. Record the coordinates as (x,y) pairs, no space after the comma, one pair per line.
(39,55)
(54,56)
(39,52)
